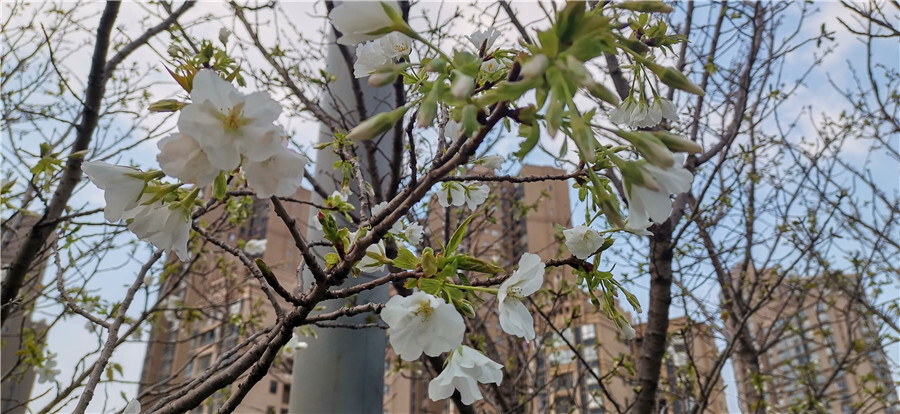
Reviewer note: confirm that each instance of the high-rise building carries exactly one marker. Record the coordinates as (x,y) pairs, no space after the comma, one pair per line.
(820,351)
(18,328)
(222,305)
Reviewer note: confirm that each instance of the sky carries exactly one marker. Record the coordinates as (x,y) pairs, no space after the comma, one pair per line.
(70,340)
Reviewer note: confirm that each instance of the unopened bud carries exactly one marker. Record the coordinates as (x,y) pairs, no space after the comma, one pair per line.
(603,93)
(674,78)
(645,6)
(637,175)
(677,143)
(167,105)
(650,147)
(376,125)
(223,35)
(634,45)
(383,76)
(535,67)
(437,64)
(463,86)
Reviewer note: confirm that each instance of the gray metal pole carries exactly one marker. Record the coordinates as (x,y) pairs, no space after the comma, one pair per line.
(342,370)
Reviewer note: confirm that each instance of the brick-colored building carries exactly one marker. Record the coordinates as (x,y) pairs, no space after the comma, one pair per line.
(213,293)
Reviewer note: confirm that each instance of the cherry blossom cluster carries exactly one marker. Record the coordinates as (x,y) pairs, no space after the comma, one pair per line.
(423,323)
(219,131)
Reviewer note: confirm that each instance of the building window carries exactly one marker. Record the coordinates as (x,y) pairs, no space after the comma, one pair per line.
(273,388)
(286,394)
(588,332)
(204,362)
(270,410)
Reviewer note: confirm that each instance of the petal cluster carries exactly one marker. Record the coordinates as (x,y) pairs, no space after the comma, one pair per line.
(357,20)
(646,204)
(122,189)
(640,114)
(465,369)
(422,323)
(166,227)
(484,38)
(458,193)
(222,129)
(583,241)
(515,319)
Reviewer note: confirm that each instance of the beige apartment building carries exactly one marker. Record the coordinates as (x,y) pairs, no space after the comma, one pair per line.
(823,352)
(215,289)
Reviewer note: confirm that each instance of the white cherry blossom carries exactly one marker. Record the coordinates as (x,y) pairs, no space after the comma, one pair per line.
(452,130)
(357,19)
(468,193)
(465,369)
(47,373)
(180,156)
(121,190)
(371,264)
(645,204)
(279,175)
(494,162)
(667,108)
(493,65)
(414,233)
(627,331)
(164,227)
(583,241)
(515,319)
(485,38)
(294,345)
(255,247)
(369,57)
(133,407)
(422,323)
(395,45)
(397,227)
(228,124)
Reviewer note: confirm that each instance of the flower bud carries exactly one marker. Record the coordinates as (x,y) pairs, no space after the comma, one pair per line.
(535,67)
(376,125)
(463,86)
(637,175)
(650,147)
(383,76)
(674,78)
(677,143)
(645,6)
(167,105)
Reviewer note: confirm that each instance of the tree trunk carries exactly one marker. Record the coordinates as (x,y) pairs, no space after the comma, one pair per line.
(654,335)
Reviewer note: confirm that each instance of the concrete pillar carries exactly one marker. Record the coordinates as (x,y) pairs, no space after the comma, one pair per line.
(342,370)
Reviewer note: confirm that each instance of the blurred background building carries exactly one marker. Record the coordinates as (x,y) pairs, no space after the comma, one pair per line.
(221,306)
(820,350)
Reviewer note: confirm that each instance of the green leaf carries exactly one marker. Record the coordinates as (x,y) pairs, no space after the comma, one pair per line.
(457,237)
(430,286)
(220,185)
(406,260)
(429,264)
